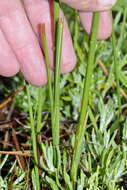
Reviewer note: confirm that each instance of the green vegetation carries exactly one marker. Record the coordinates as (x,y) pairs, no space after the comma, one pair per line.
(76,144)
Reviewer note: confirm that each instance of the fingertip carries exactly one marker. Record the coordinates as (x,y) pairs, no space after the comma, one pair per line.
(32,64)
(104,35)
(68,64)
(12,71)
(9,66)
(105,24)
(37,80)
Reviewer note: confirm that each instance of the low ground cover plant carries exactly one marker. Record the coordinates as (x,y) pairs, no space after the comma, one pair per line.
(72,133)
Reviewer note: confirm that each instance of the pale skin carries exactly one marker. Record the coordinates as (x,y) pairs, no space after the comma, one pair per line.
(19,42)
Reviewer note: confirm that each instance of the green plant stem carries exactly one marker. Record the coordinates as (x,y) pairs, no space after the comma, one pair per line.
(46,53)
(56,108)
(87,83)
(39,110)
(34,140)
(56,12)
(54,99)
(76,29)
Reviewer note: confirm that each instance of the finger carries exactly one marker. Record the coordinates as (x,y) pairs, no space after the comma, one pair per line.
(22,39)
(8,63)
(39,12)
(105,26)
(90,5)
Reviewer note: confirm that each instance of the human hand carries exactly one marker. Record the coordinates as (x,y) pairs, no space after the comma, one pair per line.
(19,40)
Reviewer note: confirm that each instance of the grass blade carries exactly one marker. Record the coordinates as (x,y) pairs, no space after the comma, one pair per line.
(56,118)
(54,98)
(82,120)
(39,110)
(34,140)
(46,54)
